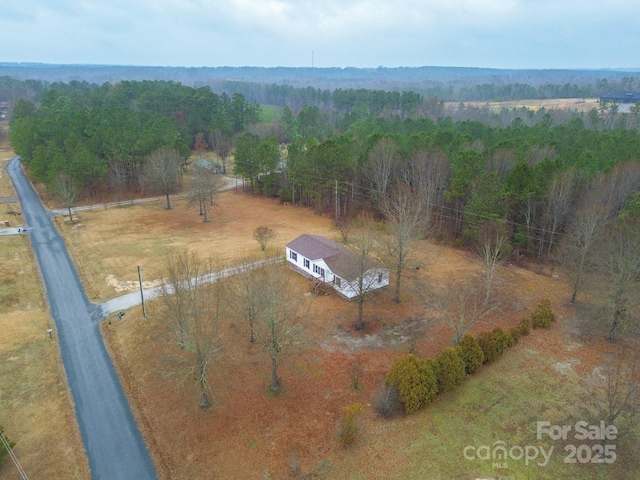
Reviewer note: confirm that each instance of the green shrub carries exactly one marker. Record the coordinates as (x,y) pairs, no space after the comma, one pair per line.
(521,329)
(350,427)
(542,316)
(415,380)
(470,353)
(450,369)
(503,340)
(515,334)
(494,343)
(487,343)
(524,326)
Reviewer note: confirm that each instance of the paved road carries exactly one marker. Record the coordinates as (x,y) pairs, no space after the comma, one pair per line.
(226,183)
(115,448)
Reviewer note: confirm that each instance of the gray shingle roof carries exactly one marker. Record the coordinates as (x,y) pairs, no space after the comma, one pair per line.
(314,247)
(341,260)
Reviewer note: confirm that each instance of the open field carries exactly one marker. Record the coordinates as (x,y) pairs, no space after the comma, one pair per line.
(251,434)
(579,104)
(8,205)
(35,405)
(108,244)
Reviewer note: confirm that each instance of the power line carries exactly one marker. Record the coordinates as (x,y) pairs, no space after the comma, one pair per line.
(362,195)
(13,456)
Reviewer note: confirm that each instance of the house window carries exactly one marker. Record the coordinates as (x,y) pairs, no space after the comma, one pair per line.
(336,281)
(318,270)
(293,255)
(307,264)
(379,278)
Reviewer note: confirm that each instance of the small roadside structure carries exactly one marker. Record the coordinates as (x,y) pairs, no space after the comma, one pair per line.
(326,261)
(209,165)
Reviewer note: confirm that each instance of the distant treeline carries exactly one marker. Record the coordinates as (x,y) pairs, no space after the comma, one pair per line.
(449,91)
(339,98)
(308,86)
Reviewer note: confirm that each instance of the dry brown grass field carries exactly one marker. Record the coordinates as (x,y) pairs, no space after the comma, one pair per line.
(579,104)
(108,244)
(249,433)
(35,404)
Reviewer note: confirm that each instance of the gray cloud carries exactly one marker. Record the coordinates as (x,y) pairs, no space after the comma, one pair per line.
(362,33)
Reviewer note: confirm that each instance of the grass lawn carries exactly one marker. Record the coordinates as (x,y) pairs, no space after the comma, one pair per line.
(36,409)
(108,244)
(35,404)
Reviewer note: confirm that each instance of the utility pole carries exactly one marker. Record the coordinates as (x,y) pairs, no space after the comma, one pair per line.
(4,444)
(337,203)
(144,311)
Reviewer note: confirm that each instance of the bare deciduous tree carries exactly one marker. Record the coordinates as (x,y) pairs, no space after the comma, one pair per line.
(117,177)
(619,184)
(613,392)
(595,207)
(381,167)
(163,170)
(501,161)
(493,246)
(264,234)
(459,304)
(222,145)
(556,209)
(67,191)
(248,285)
(405,220)
(204,188)
(281,317)
(538,153)
(617,259)
(429,174)
(194,306)
(343,225)
(363,243)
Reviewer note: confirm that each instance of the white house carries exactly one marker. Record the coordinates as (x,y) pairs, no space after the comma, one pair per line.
(318,257)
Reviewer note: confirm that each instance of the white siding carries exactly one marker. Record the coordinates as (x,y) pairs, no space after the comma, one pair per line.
(347,289)
(298,261)
(350,289)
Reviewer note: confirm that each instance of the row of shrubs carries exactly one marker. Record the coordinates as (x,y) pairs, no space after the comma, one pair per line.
(416,382)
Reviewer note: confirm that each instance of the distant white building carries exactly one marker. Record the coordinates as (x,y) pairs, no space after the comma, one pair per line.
(324,260)
(621,97)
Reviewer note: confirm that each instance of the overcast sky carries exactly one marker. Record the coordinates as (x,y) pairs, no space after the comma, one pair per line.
(330,33)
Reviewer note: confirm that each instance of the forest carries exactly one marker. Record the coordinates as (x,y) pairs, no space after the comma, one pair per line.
(527,173)
(101,135)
